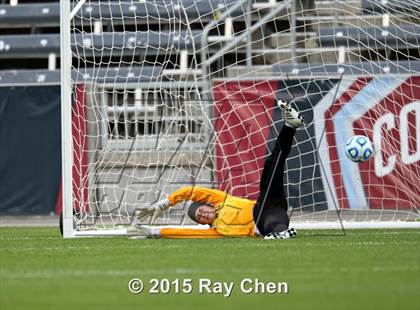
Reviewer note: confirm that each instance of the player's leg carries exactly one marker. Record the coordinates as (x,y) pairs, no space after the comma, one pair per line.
(270,211)
(271,183)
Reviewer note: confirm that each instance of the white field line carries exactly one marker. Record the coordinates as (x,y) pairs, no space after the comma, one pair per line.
(29,238)
(334,244)
(150,273)
(79,248)
(359,232)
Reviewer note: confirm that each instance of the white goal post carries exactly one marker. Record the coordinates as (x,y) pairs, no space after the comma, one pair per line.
(157,95)
(66,122)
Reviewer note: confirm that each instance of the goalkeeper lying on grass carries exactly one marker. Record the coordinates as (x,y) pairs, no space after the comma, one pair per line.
(230,216)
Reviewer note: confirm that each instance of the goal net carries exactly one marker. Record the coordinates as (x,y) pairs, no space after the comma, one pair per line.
(158,95)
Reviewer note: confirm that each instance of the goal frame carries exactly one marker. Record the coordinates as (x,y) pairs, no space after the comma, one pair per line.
(67,140)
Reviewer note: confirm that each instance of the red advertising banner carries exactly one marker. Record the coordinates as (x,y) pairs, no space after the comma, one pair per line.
(391,179)
(242,123)
(385,108)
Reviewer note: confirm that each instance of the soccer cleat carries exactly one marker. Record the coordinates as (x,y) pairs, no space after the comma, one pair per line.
(285,234)
(292,117)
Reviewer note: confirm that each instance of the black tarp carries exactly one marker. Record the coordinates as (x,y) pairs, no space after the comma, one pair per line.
(30,149)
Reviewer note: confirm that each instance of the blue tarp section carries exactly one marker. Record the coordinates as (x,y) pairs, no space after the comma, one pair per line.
(30,149)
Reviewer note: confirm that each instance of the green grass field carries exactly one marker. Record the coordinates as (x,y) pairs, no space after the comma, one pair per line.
(366,269)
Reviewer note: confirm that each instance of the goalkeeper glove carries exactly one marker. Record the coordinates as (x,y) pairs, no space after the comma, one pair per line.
(141,232)
(153,211)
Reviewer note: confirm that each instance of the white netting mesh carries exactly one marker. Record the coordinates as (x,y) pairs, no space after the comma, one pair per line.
(177,93)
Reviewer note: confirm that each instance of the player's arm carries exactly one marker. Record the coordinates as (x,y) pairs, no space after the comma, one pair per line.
(197,194)
(189,233)
(185,233)
(193,193)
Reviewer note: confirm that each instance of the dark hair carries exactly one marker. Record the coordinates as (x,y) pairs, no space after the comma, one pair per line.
(192,209)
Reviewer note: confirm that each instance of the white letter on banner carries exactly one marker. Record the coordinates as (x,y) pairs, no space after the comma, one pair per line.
(380,169)
(406,157)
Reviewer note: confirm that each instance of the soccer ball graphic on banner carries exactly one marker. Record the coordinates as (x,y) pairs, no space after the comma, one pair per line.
(359,149)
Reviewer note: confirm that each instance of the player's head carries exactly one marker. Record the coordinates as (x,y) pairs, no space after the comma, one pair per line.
(202,213)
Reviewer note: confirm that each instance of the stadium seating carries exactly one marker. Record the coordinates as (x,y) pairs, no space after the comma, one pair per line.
(42,14)
(407,36)
(29,37)
(38,14)
(336,70)
(389,6)
(165,9)
(111,75)
(115,44)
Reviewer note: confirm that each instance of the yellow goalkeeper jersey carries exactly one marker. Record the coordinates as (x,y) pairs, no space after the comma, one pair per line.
(234,216)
